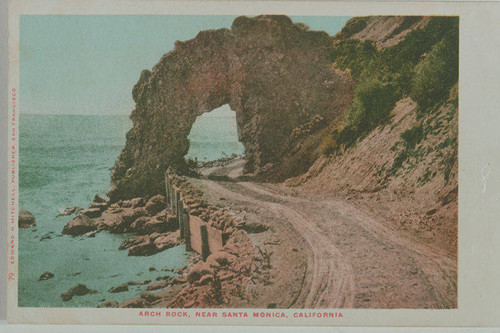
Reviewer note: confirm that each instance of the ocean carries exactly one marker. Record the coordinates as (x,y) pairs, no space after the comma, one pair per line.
(214,135)
(64,161)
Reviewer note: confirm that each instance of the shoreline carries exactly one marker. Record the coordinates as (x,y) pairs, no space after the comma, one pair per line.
(152,227)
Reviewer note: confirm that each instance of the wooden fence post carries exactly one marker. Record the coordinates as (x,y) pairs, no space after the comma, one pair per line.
(205,251)
(178,203)
(181,219)
(187,231)
(167,189)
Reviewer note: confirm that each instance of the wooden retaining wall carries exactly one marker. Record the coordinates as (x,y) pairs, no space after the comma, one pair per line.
(197,234)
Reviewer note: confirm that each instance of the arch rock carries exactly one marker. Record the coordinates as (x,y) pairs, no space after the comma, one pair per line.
(276,76)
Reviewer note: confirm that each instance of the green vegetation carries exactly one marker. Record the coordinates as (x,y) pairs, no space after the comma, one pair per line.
(424,66)
(375,98)
(413,136)
(435,75)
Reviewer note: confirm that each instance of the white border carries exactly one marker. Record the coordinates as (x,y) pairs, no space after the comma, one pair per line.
(479,230)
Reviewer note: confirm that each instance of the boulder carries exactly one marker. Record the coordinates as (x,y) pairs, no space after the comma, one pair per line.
(138,225)
(165,278)
(108,304)
(109,221)
(69,211)
(134,303)
(26,219)
(137,202)
(162,215)
(206,279)
(153,226)
(155,235)
(100,199)
(146,225)
(157,285)
(98,205)
(91,234)
(149,296)
(119,289)
(46,276)
(130,217)
(156,204)
(199,270)
(254,227)
(138,283)
(146,248)
(125,203)
(46,236)
(220,258)
(168,241)
(92,212)
(133,241)
(78,290)
(80,225)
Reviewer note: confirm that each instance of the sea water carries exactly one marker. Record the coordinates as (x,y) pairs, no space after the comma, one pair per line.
(214,135)
(66,160)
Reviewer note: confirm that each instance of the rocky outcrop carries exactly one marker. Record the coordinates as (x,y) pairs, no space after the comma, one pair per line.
(119,289)
(80,225)
(150,244)
(108,304)
(385,31)
(26,219)
(69,211)
(276,76)
(134,303)
(155,204)
(78,290)
(46,276)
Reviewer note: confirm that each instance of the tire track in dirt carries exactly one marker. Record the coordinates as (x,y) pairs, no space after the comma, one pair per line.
(439,270)
(329,279)
(354,260)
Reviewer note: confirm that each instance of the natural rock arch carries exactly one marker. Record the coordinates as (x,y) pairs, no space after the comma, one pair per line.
(276,76)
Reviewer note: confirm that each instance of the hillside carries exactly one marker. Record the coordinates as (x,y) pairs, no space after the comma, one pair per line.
(396,149)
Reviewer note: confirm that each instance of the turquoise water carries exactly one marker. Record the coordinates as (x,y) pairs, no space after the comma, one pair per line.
(214,135)
(65,161)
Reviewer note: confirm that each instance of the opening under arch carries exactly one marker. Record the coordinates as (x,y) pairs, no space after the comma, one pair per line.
(214,135)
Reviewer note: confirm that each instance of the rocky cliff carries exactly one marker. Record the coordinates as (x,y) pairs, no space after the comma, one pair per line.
(276,75)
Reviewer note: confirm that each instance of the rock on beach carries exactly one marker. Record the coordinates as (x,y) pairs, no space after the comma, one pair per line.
(46,276)
(26,219)
(80,225)
(78,290)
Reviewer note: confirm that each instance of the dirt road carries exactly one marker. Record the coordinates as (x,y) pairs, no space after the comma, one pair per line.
(351,259)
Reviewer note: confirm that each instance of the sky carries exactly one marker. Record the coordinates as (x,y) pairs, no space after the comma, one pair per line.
(76,64)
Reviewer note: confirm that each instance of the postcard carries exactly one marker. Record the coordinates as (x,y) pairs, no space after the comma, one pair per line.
(252,163)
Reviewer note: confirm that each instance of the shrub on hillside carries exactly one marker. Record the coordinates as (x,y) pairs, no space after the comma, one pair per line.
(373,102)
(436,74)
(423,66)
(413,136)
(354,55)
